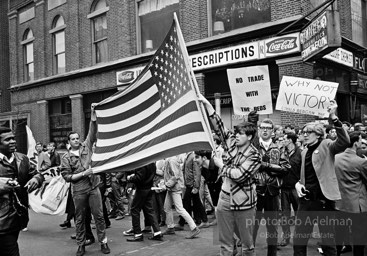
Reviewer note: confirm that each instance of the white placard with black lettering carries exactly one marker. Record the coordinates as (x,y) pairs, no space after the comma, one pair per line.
(305,96)
(250,90)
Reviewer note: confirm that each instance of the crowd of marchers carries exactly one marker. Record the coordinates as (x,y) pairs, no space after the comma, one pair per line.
(259,173)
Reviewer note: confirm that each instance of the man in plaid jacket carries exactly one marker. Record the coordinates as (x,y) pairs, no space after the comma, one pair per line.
(237,200)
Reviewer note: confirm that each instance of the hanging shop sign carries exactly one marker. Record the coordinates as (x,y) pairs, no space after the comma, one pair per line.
(341,56)
(321,36)
(225,56)
(281,45)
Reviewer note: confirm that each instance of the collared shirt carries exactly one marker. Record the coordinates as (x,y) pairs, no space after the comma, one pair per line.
(10,160)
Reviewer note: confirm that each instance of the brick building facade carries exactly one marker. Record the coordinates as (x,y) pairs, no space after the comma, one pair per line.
(54,103)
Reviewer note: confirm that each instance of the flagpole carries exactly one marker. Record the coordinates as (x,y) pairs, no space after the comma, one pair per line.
(193,79)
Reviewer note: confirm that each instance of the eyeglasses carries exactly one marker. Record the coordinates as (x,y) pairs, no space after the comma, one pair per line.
(266,128)
(307,132)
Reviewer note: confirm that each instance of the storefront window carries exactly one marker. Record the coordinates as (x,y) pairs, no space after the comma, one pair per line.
(60,121)
(359,23)
(151,13)
(232,14)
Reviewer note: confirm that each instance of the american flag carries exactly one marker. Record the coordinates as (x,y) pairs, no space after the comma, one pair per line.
(158,116)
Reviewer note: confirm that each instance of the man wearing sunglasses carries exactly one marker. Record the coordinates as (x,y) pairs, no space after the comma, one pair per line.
(318,186)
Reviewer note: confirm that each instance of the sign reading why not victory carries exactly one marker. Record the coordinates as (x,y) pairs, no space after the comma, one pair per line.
(305,96)
(250,90)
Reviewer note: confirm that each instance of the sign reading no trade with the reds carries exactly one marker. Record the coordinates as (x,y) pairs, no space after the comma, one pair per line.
(305,96)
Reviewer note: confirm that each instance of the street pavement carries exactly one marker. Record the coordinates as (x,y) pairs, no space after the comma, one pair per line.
(45,238)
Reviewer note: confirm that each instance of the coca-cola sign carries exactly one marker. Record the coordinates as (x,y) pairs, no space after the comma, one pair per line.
(280,45)
(128,76)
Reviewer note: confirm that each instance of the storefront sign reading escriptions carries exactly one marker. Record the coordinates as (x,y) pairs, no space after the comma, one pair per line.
(305,96)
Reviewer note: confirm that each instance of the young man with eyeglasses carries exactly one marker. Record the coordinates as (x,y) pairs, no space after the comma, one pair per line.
(237,199)
(318,186)
(274,166)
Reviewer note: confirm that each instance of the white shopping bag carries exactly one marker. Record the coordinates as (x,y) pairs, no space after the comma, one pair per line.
(54,193)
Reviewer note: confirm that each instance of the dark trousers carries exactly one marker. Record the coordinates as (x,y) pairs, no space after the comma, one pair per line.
(199,210)
(9,244)
(143,201)
(118,204)
(88,229)
(104,208)
(158,204)
(356,223)
(310,212)
(214,189)
(270,206)
(288,198)
(82,201)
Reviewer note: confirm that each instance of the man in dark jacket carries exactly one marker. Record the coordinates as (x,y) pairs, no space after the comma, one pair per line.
(143,180)
(16,180)
(288,194)
(274,166)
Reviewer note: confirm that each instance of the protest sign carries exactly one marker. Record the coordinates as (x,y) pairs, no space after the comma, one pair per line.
(250,90)
(305,96)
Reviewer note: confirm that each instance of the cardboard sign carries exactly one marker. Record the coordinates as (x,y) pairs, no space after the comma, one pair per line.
(250,90)
(305,96)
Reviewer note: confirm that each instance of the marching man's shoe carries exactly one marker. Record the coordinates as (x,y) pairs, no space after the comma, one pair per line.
(136,238)
(158,237)
(129,232)
(105,249)
(80,251)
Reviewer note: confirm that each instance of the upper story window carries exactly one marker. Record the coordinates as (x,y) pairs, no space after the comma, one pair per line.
(359,22)
(150,14)
(228,15)
(58,37)
(27,43)
(98,17)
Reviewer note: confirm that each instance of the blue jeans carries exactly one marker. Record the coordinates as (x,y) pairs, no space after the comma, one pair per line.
(94,200)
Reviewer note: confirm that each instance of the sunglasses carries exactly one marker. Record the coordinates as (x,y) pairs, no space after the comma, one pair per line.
(266,128)
(307,132)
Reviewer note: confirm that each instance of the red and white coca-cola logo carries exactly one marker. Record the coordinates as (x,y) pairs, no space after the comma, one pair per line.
(281,45)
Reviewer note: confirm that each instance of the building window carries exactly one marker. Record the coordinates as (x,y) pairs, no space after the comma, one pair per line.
(98,17)
(151,13)
(228,15)
(60,121)
(359,20)
(58,36)
(28,55)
